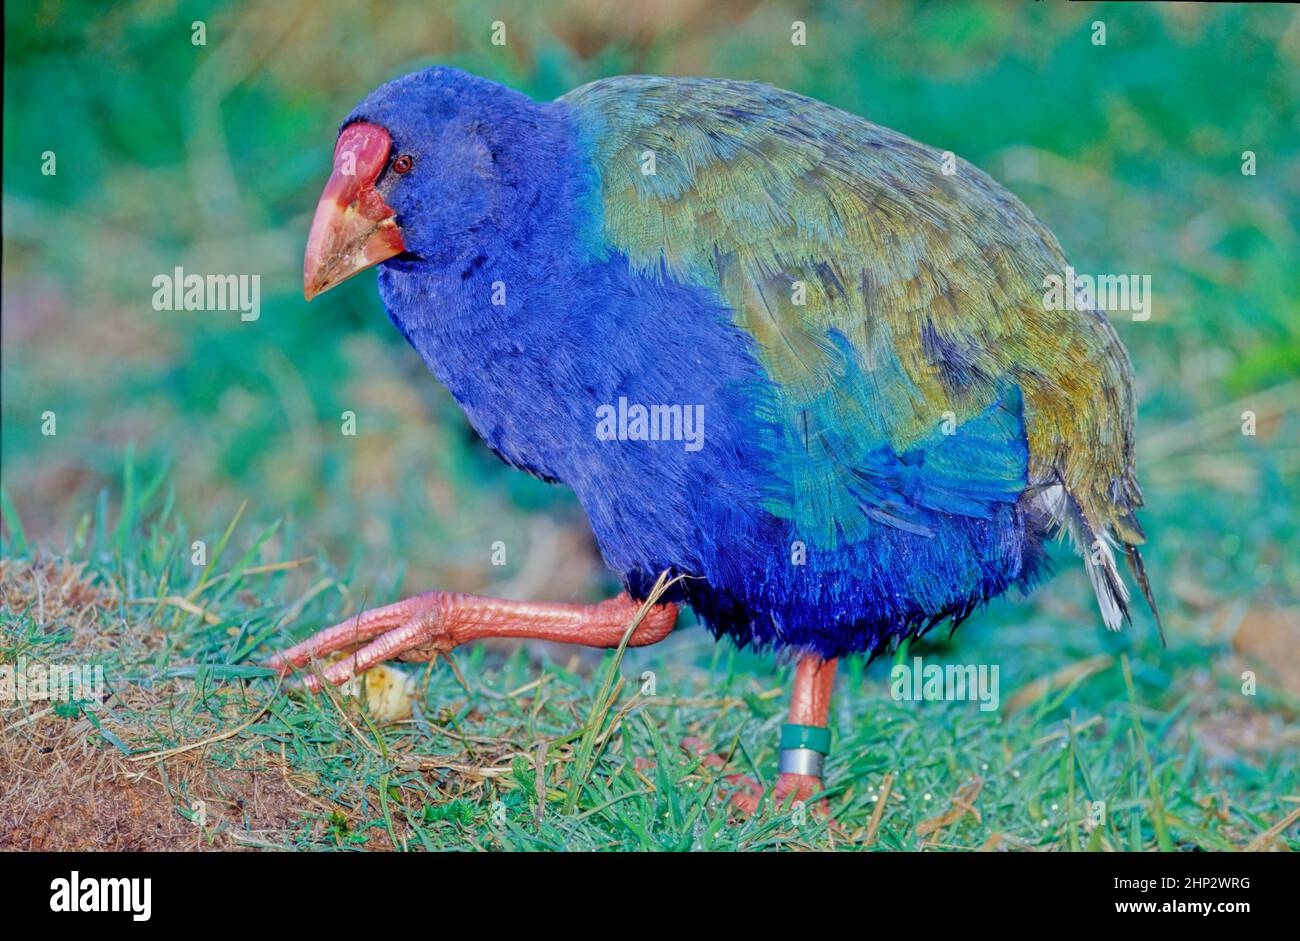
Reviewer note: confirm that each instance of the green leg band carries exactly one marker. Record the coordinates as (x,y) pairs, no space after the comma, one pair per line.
(810,737)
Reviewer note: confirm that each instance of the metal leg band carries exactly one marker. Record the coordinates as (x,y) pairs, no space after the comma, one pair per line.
(802,761)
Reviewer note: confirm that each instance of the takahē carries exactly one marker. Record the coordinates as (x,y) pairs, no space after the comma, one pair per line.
(776,350)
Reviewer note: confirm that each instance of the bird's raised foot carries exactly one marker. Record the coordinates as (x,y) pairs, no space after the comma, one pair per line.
(423,626)
(789,793)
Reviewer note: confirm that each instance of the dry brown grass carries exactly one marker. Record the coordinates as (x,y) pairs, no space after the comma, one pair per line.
(63,787)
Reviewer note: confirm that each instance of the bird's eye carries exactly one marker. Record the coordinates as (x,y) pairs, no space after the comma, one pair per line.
(403,164)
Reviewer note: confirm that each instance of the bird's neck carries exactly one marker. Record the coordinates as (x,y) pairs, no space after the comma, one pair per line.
(497,323)
(536,333)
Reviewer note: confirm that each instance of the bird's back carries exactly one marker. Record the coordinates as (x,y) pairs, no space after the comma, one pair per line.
(899,309)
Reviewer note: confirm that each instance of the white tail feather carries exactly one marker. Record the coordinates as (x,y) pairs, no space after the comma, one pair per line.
(1096,551)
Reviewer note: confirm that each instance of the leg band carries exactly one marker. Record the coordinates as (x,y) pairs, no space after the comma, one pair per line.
(804,749)
(814,737)
(802,761)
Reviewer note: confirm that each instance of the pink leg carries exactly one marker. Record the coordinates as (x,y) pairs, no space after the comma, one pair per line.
(810,702)
(421,627)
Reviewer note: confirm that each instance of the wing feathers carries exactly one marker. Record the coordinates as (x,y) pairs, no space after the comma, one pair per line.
(922,303)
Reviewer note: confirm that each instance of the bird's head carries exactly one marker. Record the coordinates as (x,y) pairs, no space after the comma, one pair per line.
(418,170)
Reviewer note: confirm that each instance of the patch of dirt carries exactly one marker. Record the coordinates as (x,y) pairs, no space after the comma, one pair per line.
(54,591)
(64,788)
(1231,723)
(63,794)
(1268,640)
(1232,730)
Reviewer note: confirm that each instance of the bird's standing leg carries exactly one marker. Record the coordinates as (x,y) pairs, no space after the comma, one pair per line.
(426,625)
(805,741)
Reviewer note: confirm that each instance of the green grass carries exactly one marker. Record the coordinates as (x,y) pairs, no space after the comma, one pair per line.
(463,771)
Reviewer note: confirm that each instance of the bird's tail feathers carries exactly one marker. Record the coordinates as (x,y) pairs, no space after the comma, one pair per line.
(1140,576)
(1097,547)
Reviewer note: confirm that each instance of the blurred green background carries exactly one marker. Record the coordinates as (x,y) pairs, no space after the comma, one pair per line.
(212,157)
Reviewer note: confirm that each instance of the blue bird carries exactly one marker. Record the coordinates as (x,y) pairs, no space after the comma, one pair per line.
(786,356)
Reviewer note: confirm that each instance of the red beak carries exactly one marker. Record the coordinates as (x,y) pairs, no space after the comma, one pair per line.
(354,228)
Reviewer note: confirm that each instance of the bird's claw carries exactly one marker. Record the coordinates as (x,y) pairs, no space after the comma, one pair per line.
(790,791)
(410,630)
